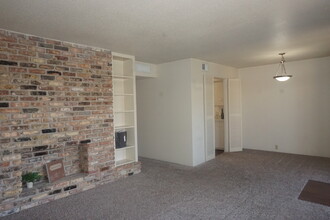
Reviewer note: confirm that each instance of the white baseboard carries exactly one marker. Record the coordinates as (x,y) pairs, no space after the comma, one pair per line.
(235,149)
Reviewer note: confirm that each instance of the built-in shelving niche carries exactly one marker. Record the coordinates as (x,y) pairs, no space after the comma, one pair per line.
(123,79)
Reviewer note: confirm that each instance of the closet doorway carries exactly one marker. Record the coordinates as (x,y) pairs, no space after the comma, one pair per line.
(219,116)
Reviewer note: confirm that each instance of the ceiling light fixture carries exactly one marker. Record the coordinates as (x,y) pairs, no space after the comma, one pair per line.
(281,74)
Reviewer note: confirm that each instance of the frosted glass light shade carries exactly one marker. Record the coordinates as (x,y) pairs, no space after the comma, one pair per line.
(282,78)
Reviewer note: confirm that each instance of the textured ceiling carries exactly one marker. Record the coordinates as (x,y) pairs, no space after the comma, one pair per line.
(237,33)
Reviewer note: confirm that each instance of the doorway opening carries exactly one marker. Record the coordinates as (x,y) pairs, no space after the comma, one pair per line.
(219,116)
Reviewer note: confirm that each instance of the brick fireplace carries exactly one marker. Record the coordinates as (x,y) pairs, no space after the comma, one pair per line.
(56,102)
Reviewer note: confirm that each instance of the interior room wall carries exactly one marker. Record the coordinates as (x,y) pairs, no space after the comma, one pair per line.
(293,115)
(170,114)
(164,114)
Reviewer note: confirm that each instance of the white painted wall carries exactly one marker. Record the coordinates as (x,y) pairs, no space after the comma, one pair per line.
(170,111)
(164,114)
(295,115)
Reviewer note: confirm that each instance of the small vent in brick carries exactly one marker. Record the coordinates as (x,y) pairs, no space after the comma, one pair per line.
(40,148)
(104,168)
(48,130)
(10,63)
(4,104)
(70,187)
(55,192)
(85,141)
(22,139)
(40,154)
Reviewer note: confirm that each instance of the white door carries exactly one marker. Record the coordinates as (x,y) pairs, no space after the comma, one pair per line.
(209,116)
(234,115)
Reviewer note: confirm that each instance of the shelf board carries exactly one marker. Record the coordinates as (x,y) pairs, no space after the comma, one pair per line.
(123,94)
(123,127)
(127,111)
(121,57)
(124,161)
(122,76)
(124,148)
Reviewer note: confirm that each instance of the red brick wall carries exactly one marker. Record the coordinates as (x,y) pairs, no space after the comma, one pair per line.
(56,102)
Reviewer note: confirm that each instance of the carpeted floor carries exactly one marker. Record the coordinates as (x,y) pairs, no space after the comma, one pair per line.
(245,185)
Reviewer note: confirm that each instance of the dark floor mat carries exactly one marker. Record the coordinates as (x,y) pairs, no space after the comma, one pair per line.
(317,192)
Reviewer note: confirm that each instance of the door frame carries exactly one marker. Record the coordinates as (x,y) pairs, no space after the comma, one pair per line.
(233,97)
(206,147)
(227,147)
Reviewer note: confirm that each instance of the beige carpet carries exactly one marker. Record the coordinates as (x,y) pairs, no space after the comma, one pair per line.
(244,185)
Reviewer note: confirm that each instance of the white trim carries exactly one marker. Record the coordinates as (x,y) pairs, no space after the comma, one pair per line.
(225,109)
(235,149)
(239,114)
